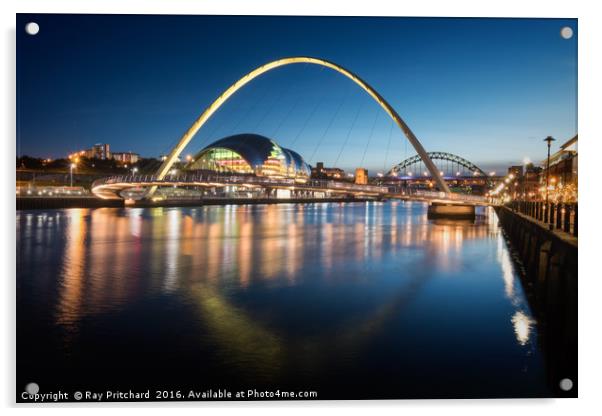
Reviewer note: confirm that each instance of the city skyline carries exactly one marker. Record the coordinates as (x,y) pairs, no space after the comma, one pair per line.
(489,92)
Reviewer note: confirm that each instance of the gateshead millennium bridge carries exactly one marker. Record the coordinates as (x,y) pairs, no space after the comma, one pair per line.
(112,188)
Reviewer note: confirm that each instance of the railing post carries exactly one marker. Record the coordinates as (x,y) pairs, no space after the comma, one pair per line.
(546,211)
(558,216)
(552,208)
(567,218)
(575,216)
(533,208)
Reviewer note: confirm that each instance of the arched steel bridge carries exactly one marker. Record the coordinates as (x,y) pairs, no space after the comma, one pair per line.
(402,167)
(219,101)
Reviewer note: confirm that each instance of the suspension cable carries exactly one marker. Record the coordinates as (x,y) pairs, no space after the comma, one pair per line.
(370,137)
(357,113)
(281,93)
(286,116)
(311,114)
(329,125)
(250,109)
(388,147)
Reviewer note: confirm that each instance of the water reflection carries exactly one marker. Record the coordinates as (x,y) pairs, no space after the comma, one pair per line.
(522,322)
(522,327)
(74,266)
(309,290)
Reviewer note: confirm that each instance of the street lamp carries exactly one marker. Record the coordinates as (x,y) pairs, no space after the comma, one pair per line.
(549,140)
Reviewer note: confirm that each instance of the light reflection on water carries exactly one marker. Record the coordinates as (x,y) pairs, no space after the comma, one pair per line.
(285,293)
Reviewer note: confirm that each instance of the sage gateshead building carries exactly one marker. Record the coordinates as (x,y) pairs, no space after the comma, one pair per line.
(250,154)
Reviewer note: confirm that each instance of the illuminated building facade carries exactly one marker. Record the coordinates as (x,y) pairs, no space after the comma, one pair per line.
(98,151)
(126,157)
(563,174)
(532,181)
(361,176)
(563,163)
(250,154)
(517,171)
(322,172)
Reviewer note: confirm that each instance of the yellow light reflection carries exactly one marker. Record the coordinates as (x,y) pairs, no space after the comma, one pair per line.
(522,327)
(74,264)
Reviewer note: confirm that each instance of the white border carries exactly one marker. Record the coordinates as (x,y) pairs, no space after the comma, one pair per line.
(590,133)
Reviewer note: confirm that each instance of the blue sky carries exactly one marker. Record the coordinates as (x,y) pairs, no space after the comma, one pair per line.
(488,90)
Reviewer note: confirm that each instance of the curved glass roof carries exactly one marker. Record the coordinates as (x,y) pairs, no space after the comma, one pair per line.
(256,150)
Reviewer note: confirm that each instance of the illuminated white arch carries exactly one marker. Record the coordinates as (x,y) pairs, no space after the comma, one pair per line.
(215,105)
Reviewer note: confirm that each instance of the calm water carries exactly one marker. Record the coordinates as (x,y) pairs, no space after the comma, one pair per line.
(352,300)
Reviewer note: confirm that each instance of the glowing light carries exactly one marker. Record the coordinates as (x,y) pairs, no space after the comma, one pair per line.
(522,327)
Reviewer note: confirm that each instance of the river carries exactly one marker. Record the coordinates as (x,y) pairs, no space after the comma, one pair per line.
(350,300)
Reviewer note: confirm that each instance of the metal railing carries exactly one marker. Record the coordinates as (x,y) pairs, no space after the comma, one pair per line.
(215,179)
(193,179)
(556,215)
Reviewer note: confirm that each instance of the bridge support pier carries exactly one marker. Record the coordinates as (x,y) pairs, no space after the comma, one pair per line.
(452,211)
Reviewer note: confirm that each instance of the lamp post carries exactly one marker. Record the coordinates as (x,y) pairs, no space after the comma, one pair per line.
(549,140)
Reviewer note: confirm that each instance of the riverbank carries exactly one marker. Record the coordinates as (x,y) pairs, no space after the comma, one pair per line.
(549,258)
(91,202)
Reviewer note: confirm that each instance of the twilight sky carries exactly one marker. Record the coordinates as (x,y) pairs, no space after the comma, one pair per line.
(488,90)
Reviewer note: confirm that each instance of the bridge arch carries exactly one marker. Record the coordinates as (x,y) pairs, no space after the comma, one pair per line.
(219,101)
(402,166)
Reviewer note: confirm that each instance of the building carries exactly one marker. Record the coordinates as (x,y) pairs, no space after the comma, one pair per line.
(361,176)
(98,151)
(126,158)
(563,163)
(563,175)
(517,171)
(322,172)
(531,181)
(250,154)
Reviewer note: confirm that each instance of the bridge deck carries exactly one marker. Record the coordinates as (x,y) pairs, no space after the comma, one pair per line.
(110,188)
